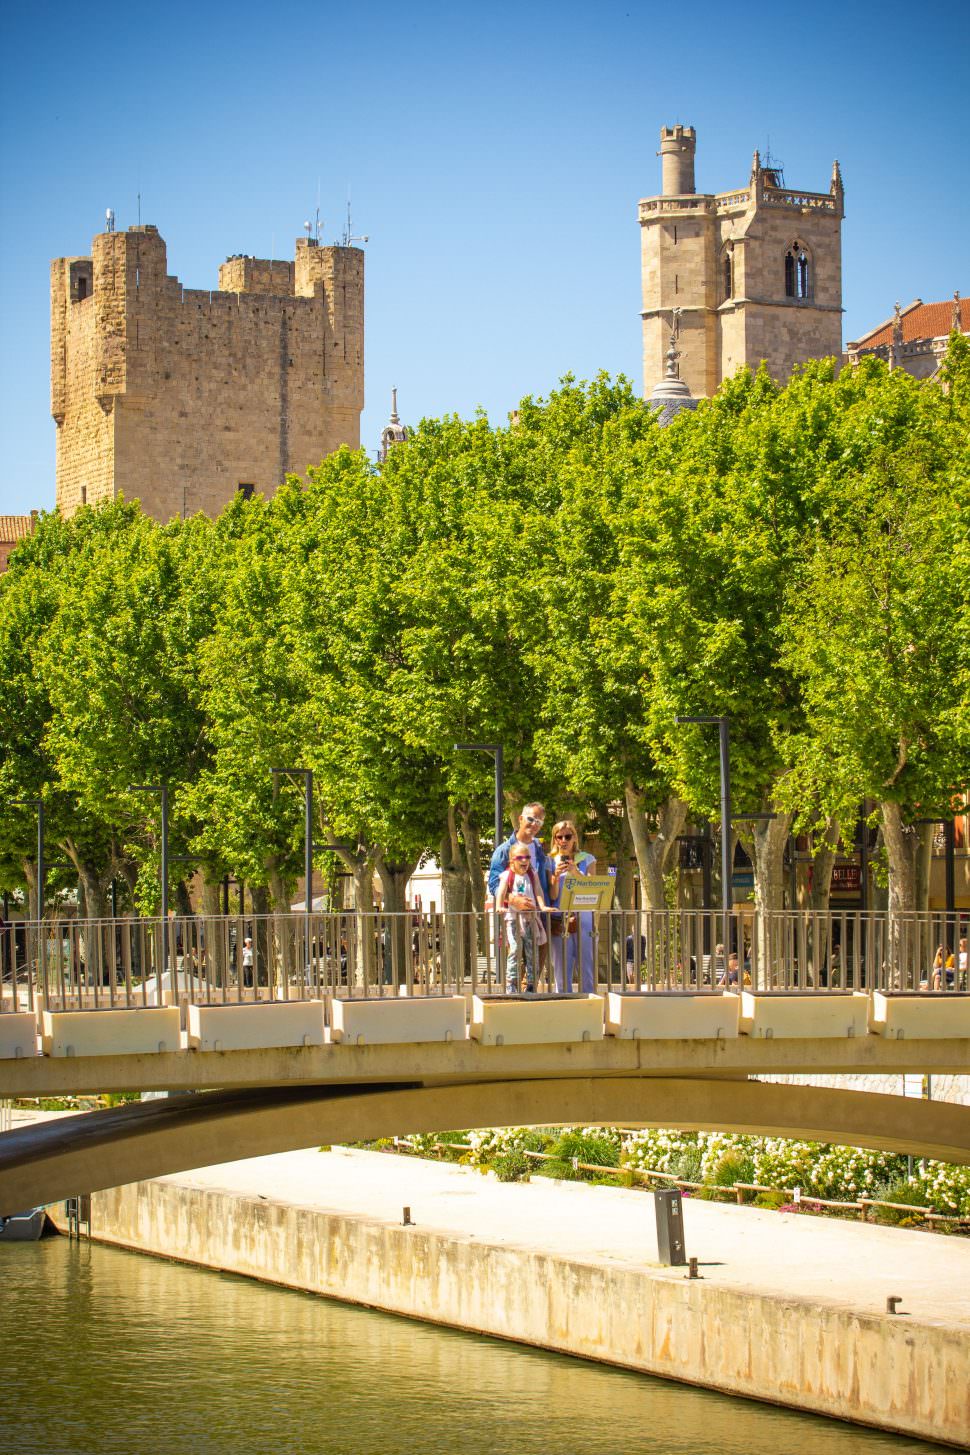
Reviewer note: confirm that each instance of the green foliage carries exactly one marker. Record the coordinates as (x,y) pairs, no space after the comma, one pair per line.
(512,1166)
(567,585)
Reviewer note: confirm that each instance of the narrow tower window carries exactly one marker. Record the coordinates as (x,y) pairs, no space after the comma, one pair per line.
(797,275)
(246,490)
(82,288)
(728,276)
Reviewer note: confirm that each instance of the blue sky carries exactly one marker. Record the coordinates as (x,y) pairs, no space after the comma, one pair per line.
(494,157)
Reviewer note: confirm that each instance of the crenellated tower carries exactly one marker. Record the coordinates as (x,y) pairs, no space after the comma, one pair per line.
(181,397)
(754,273)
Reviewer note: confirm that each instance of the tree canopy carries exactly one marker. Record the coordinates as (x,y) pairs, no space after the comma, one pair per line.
(568,584)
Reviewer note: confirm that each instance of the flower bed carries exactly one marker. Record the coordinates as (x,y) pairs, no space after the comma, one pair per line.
(716,1163)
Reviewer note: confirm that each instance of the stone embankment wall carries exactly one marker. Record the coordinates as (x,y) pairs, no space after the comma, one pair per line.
(898,1374)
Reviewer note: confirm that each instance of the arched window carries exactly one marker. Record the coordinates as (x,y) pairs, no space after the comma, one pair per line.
(727,275)
(797,272)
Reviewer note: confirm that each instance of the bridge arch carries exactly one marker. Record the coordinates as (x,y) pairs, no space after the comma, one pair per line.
(54,1160)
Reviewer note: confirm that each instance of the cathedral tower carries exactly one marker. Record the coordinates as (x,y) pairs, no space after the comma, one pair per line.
(755,273)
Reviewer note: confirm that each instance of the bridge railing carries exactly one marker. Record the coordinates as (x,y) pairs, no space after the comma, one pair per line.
(94,964)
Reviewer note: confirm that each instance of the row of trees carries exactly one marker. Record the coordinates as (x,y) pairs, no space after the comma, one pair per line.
(568,585)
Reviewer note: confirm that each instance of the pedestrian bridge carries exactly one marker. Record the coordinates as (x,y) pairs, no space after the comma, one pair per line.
(279,1075)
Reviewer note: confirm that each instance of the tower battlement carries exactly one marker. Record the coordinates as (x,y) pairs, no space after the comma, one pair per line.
(180,397)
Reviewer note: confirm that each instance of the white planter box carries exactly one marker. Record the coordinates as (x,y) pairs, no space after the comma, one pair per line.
(255,1027)
(18,1034)
(110,1032)
(671,1016)
(933,1014)
(790,1015)
(542,1020)
(396,1021)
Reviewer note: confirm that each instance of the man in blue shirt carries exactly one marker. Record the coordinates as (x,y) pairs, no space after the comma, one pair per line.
(531,820)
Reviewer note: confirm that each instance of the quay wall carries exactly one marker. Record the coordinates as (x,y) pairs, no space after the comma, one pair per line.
(899,1374)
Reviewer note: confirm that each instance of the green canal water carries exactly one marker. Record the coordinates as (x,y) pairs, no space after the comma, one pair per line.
(104,1352)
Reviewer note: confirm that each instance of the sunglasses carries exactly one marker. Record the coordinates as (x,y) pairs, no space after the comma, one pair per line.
(565,836)
(530,819)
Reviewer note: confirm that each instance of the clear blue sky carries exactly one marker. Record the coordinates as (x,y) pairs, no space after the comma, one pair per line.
(495,156)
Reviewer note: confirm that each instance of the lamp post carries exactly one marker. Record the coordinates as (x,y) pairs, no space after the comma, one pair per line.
(162,791)
(307,775)
(498,754)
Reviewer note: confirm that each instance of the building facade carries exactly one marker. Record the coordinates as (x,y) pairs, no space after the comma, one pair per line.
(754,273)
(14,529)
(916,337)
(180,397)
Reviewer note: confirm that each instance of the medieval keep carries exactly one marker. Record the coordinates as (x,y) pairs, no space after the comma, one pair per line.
(752,274)
(180,397)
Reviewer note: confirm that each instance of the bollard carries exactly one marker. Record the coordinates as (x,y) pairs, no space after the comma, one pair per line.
(669,1205)
(892,1304)
(406,1218)
(692,1268)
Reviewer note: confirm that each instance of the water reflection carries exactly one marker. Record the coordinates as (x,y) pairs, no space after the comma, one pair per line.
(112,1353)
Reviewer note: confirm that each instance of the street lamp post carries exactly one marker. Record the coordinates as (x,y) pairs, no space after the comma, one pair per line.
(498,754)
(162,791)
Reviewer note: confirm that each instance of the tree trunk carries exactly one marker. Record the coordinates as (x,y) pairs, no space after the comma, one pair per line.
(262,945)
(820,898)
(823,862)
(216,951)
(767,841)
(397,938)
(907,953)
(924,865)
(456,894)
(655,851)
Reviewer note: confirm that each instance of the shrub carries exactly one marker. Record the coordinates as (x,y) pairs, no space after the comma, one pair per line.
(512,1166)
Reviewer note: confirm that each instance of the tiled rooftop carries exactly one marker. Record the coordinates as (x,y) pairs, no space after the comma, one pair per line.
(920,320)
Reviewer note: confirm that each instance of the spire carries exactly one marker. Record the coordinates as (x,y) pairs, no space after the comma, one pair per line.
(955,322)
(394,432)
(836,184)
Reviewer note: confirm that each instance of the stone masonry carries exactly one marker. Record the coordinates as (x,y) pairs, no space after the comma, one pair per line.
(755,273)
(180,397)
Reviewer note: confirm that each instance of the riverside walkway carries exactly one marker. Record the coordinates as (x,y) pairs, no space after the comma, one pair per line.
(788,1308)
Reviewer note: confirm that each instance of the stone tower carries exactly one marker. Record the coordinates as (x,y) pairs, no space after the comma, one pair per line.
(756,273)
(180,398)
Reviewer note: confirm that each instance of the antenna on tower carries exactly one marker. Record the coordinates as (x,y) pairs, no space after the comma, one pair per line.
(349,238)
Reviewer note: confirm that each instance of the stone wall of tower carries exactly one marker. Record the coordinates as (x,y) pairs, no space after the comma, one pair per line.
(176,397)
(744,317)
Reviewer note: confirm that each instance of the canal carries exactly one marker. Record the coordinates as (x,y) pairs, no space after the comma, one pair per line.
(112,1353)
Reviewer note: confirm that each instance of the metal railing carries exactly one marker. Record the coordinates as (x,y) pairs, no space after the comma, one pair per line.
(238,959)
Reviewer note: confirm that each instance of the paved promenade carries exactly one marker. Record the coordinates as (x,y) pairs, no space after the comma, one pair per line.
(843,1264)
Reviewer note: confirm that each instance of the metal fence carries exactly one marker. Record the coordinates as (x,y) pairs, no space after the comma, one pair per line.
(94,964)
